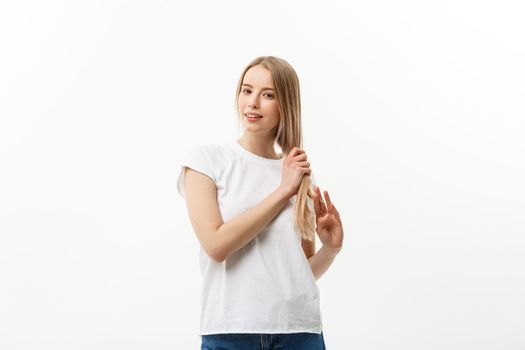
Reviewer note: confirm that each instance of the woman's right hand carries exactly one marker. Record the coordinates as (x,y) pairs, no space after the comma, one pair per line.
(295,167)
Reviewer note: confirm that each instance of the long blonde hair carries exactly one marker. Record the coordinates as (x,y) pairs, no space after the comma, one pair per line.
(289,132)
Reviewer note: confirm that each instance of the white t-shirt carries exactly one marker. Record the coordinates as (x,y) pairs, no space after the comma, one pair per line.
(267,286)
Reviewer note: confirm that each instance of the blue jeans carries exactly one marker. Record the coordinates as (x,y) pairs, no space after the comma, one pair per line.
(258,341)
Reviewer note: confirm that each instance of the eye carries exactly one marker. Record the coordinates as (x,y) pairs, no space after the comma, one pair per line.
(248,91)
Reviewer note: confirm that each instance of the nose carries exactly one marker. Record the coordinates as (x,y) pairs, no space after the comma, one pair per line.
(252,103)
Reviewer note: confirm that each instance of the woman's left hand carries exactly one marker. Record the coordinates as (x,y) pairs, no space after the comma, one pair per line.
(329,227)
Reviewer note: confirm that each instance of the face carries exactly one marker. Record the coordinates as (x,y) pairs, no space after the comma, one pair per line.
(258,96)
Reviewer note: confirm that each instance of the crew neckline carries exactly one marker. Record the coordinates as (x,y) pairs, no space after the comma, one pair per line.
(254,156)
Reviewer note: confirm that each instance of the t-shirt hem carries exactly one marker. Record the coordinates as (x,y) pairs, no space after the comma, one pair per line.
(262,331)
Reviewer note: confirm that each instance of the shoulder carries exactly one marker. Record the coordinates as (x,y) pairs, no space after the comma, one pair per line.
(221,153)
(205,158)
(217,152)
(216,155)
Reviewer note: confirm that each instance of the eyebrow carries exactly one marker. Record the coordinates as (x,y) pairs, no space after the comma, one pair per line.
(266,88)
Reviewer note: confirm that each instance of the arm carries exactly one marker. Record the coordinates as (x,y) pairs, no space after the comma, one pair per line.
(220,239)
(329,228)
(237,232)
(321,261)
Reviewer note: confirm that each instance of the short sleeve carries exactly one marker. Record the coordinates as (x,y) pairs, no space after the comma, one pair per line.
(196,158)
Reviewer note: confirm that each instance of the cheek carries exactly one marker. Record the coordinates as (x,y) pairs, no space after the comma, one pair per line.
(275,108)
(241,104)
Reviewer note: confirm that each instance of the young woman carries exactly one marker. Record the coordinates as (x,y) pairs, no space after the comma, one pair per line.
(254,213)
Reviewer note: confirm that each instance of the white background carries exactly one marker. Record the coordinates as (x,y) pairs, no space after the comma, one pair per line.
(413,120)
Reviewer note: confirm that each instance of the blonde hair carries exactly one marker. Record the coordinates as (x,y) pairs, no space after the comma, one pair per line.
(289,132)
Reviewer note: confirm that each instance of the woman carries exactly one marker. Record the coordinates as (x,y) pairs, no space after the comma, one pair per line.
(251,210)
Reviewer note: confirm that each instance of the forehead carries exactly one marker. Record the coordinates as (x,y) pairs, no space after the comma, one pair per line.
(259,77)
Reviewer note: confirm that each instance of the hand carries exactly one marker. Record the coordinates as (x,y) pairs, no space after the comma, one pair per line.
(329,227)
(295,167)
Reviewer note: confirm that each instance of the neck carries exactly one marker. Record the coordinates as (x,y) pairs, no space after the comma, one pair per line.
(263,147)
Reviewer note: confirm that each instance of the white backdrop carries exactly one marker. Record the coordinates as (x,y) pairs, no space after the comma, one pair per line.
(413,121)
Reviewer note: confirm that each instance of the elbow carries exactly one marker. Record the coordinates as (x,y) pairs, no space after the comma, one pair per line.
(216,253)
(217,257)
(213,247)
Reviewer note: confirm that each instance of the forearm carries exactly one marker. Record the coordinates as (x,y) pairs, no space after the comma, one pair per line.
(237,232)
(321,261)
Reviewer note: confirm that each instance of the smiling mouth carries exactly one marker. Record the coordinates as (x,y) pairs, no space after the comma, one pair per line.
(253,116)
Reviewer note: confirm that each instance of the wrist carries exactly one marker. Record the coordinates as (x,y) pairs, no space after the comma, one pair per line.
(283,193)
(330,250)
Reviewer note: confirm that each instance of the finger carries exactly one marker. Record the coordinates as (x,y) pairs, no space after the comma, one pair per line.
(336,212)
(300,157)
(295,151)
(317,201)
(333,210)
(323,221)
(321,203)
(323,206)
(338,217)
(327,197)
(317,204)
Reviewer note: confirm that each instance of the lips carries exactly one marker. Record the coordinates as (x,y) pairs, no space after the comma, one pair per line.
(253,115)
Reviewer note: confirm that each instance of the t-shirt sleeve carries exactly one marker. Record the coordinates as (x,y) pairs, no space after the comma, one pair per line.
(196,158)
